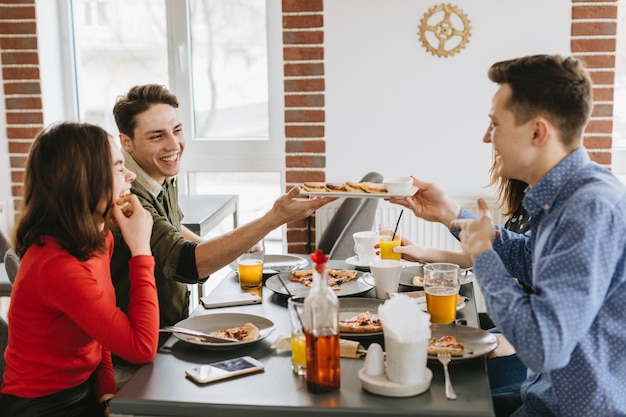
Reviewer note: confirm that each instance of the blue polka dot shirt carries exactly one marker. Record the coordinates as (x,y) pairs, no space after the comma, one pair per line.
(571,333)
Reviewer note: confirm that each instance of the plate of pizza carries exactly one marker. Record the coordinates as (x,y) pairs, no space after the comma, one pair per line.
(358,317)
(243,329)
(462,342)
(345,282)
(351,190)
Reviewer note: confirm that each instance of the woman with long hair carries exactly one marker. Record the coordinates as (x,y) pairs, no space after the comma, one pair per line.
(63,321)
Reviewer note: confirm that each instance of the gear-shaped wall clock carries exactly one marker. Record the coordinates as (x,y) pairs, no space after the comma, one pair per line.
(444,30)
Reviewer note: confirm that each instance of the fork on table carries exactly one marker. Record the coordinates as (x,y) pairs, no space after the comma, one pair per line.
(445,358)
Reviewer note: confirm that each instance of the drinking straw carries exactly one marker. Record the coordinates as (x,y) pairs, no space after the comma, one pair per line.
(397,224)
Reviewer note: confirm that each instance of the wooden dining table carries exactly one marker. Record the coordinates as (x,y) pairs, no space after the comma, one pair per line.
(161,388)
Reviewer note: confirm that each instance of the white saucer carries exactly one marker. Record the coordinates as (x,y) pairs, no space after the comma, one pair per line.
(380,385)
(354,261)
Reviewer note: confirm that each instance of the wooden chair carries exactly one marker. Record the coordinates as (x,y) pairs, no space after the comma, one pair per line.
(353,215)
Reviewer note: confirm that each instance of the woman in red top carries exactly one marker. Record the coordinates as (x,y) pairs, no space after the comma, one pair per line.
(63,322)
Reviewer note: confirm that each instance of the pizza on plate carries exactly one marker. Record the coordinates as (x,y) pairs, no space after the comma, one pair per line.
(365,322)
(445,344)
(336,277)
(245,333)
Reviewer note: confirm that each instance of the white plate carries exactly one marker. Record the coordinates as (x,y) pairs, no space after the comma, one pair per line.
(354,261)
(420,299)
(354,287)
(349,194)
(476,342)
(274,264)
(380,385)
(350,307)
(212,322)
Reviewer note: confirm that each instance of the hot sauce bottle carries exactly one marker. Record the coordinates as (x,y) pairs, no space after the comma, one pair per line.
(321,310)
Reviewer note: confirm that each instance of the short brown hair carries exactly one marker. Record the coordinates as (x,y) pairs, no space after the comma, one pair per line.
(553,86)
(68,172)
(139,99)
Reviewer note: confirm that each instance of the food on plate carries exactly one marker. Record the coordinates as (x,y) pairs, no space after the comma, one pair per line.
(244,333)
(314,186)
(445,344)
(373,187)
(354,187)
(418,280)
(336,277)
(365,322)
(336,187)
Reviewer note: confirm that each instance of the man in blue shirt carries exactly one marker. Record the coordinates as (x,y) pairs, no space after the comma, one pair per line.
(571,331)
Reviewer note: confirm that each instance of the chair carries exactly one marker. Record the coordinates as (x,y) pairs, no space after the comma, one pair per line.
(353,215)
(4,341)
(11,264)
(5,281)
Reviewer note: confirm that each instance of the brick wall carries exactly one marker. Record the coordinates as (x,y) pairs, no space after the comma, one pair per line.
(21,83)
(305,146)
(594,25)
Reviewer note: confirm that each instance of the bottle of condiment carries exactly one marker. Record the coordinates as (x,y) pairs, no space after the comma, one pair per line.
(321,310)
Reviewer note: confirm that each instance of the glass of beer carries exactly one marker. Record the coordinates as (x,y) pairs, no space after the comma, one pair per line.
(441,283)
(387,241)
(295,306)
(250,266)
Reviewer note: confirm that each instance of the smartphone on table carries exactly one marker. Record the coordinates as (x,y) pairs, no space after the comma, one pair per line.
(229,300)
(224,369)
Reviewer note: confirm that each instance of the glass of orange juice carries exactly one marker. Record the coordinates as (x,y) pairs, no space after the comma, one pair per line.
(387,241)
(441,284)
(295,306)
(250,266)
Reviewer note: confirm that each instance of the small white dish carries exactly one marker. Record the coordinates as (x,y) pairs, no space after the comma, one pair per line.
(380,385)
(354,261)
(398,185)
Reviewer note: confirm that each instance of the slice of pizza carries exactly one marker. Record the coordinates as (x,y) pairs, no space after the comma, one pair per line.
(336,277)
(365,322)
(244,333)
(445,344)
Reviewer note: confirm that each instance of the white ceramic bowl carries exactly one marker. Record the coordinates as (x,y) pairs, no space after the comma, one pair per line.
(398,185)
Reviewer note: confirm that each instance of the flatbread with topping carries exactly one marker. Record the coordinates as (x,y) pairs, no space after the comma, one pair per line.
(365,322)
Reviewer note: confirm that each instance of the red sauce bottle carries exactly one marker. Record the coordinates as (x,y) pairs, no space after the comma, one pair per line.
(321,310)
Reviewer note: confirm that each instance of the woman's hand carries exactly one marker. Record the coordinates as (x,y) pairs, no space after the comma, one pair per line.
(135,223)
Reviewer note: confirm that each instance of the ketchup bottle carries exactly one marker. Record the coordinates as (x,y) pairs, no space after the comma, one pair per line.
(321,310)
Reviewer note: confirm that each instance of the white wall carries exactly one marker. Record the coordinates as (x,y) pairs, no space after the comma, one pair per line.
(394,108)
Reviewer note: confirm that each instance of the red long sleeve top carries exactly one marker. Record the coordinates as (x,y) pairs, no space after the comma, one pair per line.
(64,324)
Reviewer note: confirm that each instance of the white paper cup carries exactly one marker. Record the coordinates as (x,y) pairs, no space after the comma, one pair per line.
(386,276)
(405,361)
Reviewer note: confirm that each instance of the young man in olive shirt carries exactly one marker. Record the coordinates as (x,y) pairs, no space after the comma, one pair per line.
(151,135)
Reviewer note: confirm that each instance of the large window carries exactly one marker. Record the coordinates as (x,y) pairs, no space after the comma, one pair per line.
(214,55)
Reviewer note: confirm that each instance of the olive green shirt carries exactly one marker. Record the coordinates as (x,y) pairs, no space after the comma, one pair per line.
(161,200)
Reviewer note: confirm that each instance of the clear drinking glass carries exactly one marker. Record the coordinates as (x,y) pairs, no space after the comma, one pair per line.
(295,306)
(441,284)
(250,266)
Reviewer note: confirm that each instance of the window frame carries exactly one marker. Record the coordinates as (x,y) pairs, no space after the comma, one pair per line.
(203,154)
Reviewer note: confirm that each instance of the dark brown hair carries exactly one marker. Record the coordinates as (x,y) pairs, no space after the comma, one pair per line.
(68,172)
(552,86)
(510,191)
(139,99)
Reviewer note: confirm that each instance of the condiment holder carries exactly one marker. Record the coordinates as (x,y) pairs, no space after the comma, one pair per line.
(374,379)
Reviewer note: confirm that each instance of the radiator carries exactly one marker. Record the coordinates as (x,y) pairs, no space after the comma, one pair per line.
(415,229)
